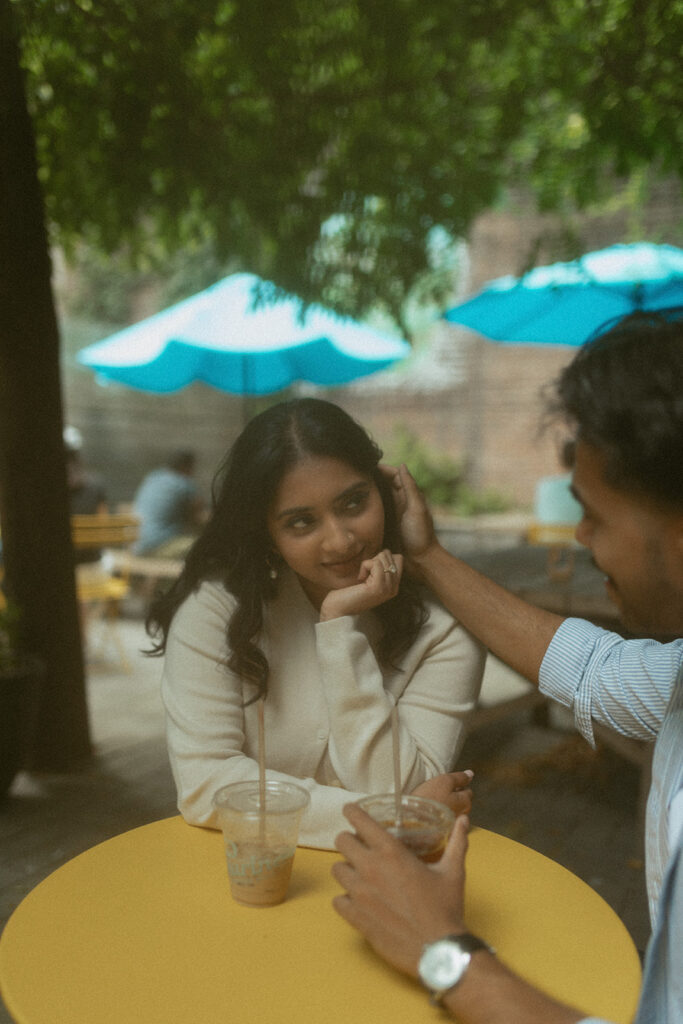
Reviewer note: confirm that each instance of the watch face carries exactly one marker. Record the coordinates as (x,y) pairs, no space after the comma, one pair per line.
(442,964)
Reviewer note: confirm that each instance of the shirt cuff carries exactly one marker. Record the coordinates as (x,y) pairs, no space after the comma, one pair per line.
(562,673)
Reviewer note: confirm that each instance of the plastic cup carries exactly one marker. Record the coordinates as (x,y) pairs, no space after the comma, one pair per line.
(424,827)
(260,845)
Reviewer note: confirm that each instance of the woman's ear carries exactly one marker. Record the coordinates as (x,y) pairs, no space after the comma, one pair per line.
(275,562)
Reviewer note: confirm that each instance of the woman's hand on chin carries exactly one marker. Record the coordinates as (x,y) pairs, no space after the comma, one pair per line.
(378,581)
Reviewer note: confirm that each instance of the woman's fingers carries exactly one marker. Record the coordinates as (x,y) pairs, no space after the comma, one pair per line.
(378,581)
(385,568)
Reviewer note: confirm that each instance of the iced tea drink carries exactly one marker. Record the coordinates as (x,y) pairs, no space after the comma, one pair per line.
(259,876)
(424,827)
(260,842)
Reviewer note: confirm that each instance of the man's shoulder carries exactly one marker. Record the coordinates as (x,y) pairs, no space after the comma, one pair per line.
(169,481)
(580,633)
(180,483)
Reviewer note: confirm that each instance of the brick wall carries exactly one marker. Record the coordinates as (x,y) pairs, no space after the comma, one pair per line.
(126,433)
(487,417)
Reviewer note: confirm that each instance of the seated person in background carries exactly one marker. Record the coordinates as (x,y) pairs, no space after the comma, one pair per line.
(87,494)
(294,591)
(169,508)
(622,395)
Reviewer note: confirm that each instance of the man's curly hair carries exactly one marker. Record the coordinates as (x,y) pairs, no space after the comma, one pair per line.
(623,395)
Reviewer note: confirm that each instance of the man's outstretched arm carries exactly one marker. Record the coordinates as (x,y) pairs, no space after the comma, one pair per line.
(514,630)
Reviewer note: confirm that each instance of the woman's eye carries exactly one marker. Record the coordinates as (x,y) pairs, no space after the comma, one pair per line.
(355,502)
(299,523)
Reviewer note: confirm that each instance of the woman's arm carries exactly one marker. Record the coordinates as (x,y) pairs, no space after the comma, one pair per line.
(211,737)
(435,688)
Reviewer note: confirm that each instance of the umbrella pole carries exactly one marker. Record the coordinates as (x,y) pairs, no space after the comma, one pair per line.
(477,394)
(246,403)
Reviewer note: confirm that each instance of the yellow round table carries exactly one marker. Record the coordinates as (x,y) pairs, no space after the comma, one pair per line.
(142,929)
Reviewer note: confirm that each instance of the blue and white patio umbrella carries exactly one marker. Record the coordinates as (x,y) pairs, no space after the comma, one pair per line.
(565,303)
(221,338)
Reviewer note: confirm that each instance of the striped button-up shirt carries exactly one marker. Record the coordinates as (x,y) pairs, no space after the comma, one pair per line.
(636,688)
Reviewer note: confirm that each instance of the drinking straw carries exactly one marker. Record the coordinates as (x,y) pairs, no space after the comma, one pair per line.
(398,812)
(262,770)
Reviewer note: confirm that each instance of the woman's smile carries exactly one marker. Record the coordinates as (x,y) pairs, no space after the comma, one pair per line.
(345,564)
(325,520)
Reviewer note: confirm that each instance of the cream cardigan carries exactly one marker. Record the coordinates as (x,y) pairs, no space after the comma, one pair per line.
(327,714)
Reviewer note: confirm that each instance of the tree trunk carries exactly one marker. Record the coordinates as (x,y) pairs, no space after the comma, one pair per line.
(34,506)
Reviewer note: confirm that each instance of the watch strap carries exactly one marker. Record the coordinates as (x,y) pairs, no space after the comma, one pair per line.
(467,943)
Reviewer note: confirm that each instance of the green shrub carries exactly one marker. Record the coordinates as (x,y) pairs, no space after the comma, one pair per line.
(474,503)
(441,478)
(438,476)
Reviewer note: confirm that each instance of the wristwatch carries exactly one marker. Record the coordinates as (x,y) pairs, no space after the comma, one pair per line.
(444,962)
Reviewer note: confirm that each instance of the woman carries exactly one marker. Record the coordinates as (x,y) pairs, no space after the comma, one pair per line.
(294,591)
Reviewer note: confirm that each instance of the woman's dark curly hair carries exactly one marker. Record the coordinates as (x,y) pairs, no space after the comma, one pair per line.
(234,546)
(623,395)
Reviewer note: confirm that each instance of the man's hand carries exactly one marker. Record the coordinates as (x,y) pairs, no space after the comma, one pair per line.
(451,789)
(417,527)
(394,899)
(378,581)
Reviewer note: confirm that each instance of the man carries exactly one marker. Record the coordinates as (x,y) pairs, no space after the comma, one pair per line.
(622,395)
(170,509)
